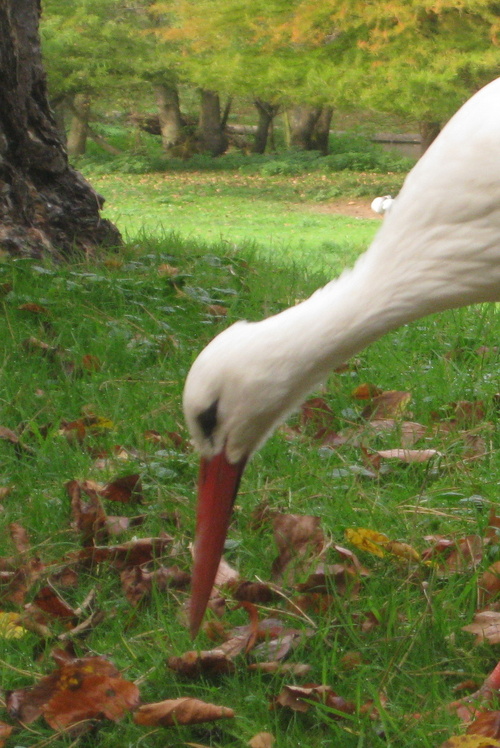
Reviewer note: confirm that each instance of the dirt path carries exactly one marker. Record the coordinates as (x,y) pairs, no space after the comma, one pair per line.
(356,207)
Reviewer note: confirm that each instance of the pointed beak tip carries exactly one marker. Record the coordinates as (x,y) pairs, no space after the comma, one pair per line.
(217,488)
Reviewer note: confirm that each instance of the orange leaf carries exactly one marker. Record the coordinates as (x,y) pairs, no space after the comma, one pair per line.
(79,689)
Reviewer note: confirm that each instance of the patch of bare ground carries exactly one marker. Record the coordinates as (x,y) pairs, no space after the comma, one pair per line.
(356,207)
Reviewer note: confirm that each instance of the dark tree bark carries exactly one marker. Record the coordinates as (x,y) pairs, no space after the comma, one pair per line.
(169,115)
(212,138)
(428,132)
(302,121)
(79,126)
(46,207)
(320,139)
(267,112)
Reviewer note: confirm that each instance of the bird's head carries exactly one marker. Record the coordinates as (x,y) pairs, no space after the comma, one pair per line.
(238,389)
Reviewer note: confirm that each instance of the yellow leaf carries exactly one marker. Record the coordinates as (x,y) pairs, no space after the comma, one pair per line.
(402,550)
(367,540)
(103,423)
(470,741)
(9,626)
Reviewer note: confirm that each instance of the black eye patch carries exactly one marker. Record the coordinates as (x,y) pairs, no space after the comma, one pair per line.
(208,419)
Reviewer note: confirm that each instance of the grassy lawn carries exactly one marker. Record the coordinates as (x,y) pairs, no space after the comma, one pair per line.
(278,216)
(119,335)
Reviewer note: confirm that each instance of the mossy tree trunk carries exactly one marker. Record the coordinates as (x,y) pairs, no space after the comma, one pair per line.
(46,207)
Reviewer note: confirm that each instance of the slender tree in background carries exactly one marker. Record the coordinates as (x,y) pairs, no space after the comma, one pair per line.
(45,205)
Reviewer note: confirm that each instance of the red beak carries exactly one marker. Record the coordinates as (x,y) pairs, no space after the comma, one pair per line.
(217,488)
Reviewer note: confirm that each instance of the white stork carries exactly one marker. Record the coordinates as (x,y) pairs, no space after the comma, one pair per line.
(438,248)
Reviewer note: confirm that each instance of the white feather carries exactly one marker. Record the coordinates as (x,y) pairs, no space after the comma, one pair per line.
(438,248)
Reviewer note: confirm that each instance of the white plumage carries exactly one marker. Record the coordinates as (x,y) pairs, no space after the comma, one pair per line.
(382,204)
(438,248)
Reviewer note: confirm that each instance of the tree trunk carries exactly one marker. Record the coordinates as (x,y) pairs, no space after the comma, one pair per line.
(169,115)
(45,206)
(212,138)
(266,113)
(79,126)
(321,134)
(302,121)
(428,132)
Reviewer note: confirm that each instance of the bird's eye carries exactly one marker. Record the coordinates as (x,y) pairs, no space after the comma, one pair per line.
(207,419)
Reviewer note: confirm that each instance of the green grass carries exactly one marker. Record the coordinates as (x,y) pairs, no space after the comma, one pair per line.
(283,219)
(145,330)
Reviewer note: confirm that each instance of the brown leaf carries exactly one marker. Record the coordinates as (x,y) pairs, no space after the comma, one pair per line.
(138,584)
(132,553)
(344,579)
(50,602)
(469,413)
(467,554)
(34,308)
(89,516)
(299,538)
(389,404)
(184,711)
(125,489)
(297,698)
(78,689)
(489,583)
(5,732)
(208,662)
(8,435)
(169,270)
(486,723)
(91,362)
(226,575)
(216,310)
(408,455)
(366,391)
(486,627)
(316,414)
(254,592)
(262,740)
(19,537)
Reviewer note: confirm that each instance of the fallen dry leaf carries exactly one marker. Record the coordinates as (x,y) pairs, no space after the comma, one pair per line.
(131,553)
(262,740)
(138,584)
(409,455)
(486,627)
(184,711)
(470,741)
(389,404)
(300,539)
(226,575)
(367,540)
(216,310)
(487,724)
(167,270)
(254,592)
(78,689)
(208,662)
(489,583)
(366,391)
(298,698)
(125,489)
(5,732)
(51,603)
(8,435)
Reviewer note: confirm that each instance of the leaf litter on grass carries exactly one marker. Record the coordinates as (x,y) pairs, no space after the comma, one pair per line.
(312,572)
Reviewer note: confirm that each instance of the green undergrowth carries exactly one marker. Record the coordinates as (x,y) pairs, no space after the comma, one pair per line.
(142,154)
(140,329)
